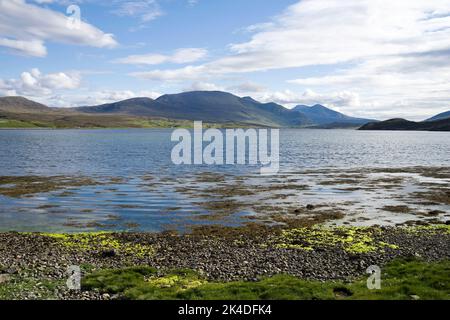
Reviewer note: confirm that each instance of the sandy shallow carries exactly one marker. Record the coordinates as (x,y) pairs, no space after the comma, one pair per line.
(158,202)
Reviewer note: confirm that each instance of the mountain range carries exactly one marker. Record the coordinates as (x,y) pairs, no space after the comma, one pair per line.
(208,106)
(223,107)
(175,110)
(213,107)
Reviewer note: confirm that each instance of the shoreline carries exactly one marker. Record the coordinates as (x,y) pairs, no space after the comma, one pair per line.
(187,127)
(303,256)
(215,255)
(224,127)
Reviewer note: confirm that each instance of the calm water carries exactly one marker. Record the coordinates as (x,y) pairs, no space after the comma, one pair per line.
(152,206)
(135,152)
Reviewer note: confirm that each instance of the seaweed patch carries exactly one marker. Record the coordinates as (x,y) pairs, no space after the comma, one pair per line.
(101,241)
(350,239)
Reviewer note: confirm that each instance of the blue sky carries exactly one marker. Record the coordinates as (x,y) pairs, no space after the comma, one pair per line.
(378,60)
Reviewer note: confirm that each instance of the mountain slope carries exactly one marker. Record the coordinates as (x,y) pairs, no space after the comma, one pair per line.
(208,106)
(321,115)
(21,105)
(402,124)
(441,116)
(18,112)
(135,106)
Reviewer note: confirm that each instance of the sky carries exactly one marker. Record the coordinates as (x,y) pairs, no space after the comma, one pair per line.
(370,58)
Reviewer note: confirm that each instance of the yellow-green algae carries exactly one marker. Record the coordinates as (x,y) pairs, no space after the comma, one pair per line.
(432,229)
(351,239)
(181,280)
(101,241)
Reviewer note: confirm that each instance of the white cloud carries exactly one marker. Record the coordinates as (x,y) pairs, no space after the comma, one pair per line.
(192,2)
(146,10)
(34,83)
(80,98)
(336,100)
(203,86)
(247,88)
(317,32)
(29,48)
(186,73)
(188,55)
(63,89)
(44,1)
(107,96)
(180,56)
(24,28)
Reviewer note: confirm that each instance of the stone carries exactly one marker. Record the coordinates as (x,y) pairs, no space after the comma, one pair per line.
(108,253)
(4,278)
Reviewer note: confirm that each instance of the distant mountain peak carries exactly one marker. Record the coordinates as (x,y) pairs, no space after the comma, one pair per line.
(20,104)
(248,98)
(322,115)
(440,116)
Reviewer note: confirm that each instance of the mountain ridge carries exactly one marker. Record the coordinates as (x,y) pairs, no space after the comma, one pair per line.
(218,106)
(440,116)
(18,104)
(399,124)
(208,106)
(322,115)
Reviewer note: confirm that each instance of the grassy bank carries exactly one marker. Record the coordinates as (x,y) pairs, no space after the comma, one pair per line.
(74,121)
(17,124)
(401,280)
(93,123)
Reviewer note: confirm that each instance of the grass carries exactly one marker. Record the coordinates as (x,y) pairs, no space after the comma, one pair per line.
(41,288)
(89,121)
(12,124)
(401,280)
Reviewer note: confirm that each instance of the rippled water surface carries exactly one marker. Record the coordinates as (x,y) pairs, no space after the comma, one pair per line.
(140,189)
